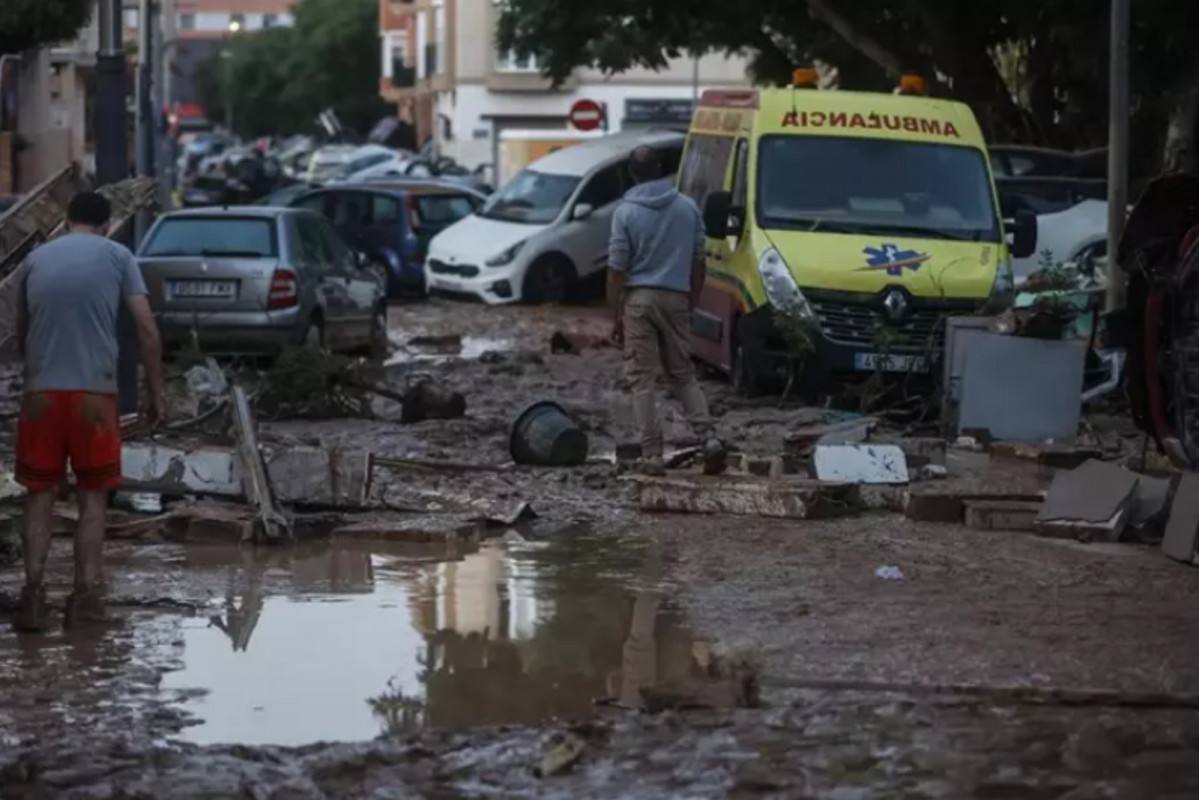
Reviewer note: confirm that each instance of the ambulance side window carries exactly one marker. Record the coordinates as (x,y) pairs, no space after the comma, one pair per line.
(741,175)
(705,163)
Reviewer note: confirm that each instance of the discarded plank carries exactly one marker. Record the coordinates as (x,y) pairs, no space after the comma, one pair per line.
(795,498)
(847,432)
(1051,455)
(417,530)
(275,525)
(1000,515)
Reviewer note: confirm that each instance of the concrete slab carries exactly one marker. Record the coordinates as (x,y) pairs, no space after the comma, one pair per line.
(317,476)
(861,463)
(172,470)
(1181,541)
(1091,503)
(1000,515)
(742,495)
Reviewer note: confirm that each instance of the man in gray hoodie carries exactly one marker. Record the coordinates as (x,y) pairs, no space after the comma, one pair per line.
(655,275)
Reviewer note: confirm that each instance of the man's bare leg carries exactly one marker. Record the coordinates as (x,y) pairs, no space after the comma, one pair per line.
(35,540)
(86,603)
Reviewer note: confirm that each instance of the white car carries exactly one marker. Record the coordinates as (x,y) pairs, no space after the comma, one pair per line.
(1071,220)
(547,228)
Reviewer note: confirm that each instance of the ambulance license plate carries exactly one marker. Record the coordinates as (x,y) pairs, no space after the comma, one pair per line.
(882,362)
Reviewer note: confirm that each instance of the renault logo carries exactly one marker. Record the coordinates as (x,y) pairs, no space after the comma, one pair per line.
(896,305)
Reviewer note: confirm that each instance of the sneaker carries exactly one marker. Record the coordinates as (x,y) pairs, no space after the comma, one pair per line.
(651,467)
(31,610)
(716,457)
(84,609)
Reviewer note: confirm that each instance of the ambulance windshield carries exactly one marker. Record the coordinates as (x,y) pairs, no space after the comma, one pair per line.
(875,186)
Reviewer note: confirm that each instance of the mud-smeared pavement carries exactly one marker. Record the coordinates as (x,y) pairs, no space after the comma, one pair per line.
(372,670)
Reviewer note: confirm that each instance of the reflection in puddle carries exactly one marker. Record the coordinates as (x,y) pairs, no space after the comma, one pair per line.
(441,349)
(368,642)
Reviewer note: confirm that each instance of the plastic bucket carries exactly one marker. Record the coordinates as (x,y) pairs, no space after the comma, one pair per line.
(546,436)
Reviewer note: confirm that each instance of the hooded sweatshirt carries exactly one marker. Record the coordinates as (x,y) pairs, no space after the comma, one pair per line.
(657,234)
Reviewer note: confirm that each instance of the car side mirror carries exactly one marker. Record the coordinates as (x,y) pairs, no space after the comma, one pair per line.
(582,211)
(1023,230)
(721,219)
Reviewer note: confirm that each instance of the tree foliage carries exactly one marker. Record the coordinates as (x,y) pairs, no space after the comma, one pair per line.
(29,24)
(1034,72)
(280,79)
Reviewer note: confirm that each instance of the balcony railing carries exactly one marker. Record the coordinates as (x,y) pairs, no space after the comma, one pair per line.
(430,60)
(402,76)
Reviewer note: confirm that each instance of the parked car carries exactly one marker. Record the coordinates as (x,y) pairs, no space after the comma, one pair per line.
(545,231)
(283,196)
(1071,219)
(371,161)
(327,161)
(254,279)
(392,224)
(1014,161)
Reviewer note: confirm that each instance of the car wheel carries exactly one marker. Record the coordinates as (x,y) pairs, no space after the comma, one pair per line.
(550,280)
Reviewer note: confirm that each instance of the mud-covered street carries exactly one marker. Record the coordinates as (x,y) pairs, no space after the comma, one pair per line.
(596,651)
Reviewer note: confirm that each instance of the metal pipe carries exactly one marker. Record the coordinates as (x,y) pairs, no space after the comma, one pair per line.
(1117,153)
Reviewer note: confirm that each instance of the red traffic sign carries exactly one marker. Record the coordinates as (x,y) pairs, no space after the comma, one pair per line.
(586,115)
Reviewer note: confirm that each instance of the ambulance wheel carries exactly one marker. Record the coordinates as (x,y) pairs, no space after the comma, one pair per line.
(745,371)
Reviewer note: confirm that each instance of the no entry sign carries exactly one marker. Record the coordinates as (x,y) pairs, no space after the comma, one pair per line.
(586,115)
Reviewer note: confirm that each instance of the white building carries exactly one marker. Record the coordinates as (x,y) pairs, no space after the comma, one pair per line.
(441,66)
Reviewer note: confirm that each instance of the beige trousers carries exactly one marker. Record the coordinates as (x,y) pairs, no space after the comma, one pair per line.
(657,339)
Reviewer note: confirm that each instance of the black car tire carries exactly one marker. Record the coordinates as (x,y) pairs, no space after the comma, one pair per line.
(549,280)
(745,372)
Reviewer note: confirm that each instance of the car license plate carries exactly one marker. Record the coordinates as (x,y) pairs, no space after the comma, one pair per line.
(218,289)
(446,285)
(889,363)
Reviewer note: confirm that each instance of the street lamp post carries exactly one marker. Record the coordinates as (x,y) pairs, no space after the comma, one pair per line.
(227,71)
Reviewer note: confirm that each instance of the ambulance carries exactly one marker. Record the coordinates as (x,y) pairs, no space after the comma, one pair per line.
(862,220)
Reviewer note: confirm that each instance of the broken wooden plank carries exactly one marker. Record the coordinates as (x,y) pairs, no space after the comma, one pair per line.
(275,525)
(744,495)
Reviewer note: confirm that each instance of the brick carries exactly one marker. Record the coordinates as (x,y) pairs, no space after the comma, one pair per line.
(1000,515)
(209,525)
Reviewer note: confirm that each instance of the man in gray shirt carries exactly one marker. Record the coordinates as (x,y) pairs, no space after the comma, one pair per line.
(655,276)
(67,332)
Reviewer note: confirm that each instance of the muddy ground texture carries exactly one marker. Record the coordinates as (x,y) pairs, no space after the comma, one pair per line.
(566,658)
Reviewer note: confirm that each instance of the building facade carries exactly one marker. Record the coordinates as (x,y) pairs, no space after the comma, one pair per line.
(442,69)
(195,30)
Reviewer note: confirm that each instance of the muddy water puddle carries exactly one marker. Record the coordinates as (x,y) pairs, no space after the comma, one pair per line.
(343,643)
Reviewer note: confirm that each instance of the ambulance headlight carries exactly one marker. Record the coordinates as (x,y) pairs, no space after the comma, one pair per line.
(781,289)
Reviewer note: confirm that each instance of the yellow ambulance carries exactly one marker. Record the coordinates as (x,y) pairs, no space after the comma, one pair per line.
(861,219)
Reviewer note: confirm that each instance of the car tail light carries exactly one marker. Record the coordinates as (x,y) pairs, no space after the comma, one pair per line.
(285,290)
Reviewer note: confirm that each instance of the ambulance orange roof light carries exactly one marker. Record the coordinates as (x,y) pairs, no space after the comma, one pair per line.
(805,78)
(911,83)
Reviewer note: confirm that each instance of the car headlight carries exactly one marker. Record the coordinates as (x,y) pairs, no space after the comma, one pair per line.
(506,257)
(781,289)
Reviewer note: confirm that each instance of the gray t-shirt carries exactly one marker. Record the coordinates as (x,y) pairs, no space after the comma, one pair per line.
(74,287)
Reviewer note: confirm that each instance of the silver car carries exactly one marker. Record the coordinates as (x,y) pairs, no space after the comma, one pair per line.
(251,280)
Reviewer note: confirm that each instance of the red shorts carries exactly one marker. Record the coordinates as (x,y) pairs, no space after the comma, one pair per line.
(83,427)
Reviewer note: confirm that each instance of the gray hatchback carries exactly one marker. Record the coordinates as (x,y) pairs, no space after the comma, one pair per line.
(254,279)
